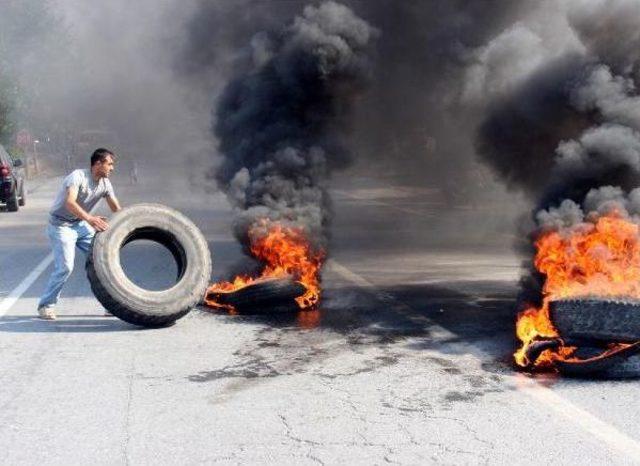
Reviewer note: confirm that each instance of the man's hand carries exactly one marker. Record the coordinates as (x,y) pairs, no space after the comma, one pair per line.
(98,223)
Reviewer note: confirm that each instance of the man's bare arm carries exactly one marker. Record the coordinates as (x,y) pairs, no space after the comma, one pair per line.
(114,205)
(99,223)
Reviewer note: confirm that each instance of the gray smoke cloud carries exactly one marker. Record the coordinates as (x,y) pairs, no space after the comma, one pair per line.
(609,30)
(571,124)
(604,201)
(412,127)
(567,131)
(281,122)
(411,124)
(106,67)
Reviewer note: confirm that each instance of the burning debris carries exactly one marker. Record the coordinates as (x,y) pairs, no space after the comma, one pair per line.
(287,256)
(281,126)
(594,257)
(568,135)
(270,294)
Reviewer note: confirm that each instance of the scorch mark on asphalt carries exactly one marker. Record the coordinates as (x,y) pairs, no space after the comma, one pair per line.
(581,418)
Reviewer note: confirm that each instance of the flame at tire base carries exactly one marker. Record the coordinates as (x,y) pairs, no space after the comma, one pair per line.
(285,252)
(600,259)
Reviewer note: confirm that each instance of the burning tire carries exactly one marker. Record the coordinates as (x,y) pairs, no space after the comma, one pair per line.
(123,298)
(594,362)
(262,296)
(596,319)
(604,336)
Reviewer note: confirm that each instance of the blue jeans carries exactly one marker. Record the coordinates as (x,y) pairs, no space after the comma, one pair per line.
(64,240)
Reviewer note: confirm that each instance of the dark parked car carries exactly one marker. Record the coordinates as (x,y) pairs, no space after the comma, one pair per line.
(12,188)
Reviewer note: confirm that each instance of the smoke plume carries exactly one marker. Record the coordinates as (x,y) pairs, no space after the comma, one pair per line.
(282,122)
(411,125)
(567,133)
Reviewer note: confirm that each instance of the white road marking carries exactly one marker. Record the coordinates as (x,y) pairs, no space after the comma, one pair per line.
(613,437)
(587,421)
(24,285)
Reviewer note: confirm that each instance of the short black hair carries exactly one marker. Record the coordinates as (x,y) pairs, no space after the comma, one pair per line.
(100,155)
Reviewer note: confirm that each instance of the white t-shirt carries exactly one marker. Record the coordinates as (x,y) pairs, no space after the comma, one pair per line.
(89,194)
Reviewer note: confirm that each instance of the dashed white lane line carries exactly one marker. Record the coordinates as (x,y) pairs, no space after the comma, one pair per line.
(581,418)
(24,285)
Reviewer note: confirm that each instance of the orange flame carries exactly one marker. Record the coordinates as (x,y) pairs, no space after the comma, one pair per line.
(593,259)
(285,251)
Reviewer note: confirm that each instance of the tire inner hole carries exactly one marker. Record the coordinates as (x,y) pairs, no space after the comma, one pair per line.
(152,259)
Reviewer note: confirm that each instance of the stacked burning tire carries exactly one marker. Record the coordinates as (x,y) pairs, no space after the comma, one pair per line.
(131,303)
(605,333)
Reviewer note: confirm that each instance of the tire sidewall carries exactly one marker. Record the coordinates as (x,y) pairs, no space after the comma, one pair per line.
(186,293)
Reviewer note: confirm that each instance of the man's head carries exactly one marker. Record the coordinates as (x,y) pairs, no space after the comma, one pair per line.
(102,163)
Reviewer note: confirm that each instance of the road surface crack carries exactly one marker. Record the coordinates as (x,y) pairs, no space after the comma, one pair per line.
(310,443)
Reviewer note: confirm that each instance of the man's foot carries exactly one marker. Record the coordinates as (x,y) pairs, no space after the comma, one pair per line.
(46,313)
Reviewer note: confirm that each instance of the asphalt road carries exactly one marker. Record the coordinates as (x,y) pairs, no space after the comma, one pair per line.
(407,361)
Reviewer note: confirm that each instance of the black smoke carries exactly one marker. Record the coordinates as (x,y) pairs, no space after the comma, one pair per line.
(569,133)
(410,124)
(282,122)
(557,137)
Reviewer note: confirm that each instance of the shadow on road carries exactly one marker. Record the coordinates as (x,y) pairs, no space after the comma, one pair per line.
(478,317)
(64,324)
(477,313)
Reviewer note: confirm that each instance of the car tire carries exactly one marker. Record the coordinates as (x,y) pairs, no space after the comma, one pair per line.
(12,202)
(23,197)
(123,298)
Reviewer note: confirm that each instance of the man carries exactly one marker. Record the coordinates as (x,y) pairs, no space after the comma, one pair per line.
(71,223)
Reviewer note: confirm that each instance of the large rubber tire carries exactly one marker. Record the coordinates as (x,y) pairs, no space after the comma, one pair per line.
(125,299)
(12,202)
(597,319)
(23,197)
